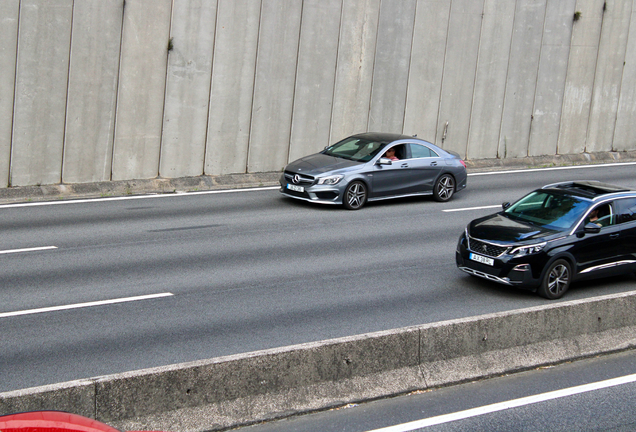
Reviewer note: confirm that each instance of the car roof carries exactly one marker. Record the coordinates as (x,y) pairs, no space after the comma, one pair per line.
(590,189)
(383,137)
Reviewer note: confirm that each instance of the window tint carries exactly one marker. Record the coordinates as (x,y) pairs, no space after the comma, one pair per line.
(353,148)
(399,151)
(625,210)
(551,211)
(420,151)
(601,215)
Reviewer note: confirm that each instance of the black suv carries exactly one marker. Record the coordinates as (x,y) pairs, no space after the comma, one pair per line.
(554,235)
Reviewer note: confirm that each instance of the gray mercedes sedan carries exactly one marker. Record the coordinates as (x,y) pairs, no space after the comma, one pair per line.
(374,166)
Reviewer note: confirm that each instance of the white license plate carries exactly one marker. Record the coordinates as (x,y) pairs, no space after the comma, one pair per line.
(482,259)
(295,188)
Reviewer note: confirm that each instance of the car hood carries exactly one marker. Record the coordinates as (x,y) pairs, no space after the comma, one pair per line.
(319,164)
(500,228)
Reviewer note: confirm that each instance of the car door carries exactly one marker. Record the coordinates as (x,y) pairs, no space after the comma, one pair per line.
(425,166)
(392,179)
(597,253)
(626,219)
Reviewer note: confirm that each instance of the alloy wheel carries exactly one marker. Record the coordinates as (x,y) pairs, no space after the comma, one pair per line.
(444,188)
(558,280)
(355,196)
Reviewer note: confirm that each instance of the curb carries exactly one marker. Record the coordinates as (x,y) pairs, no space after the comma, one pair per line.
(234,181)
(232,391)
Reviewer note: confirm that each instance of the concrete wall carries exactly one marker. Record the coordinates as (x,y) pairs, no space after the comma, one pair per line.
(41,88)
(99,90)
(92,90)
(185,118)
(232,88)
(141,91)
(229,391)
(9,13)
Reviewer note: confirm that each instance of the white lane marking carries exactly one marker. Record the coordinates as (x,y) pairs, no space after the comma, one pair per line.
(91,200)
(552,168)
(33,249)
(84,305)
(133,197)
(471,208)
(502,406)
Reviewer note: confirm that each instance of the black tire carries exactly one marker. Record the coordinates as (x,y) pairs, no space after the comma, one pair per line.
(444,188)
(355,195)
(556,280)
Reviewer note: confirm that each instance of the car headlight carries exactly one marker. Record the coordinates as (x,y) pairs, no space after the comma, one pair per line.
(527,250)
(331,180)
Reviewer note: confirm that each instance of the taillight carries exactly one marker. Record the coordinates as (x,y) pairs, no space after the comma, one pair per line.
(463,163)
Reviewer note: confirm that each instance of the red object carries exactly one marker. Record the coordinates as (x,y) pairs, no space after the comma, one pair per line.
(51,421)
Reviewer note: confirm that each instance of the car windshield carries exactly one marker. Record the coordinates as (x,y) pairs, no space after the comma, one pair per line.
(548,210)
(355,149)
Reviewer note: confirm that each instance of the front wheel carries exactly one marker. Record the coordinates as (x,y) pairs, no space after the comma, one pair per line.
(444,188)
(556,280)
(355,195)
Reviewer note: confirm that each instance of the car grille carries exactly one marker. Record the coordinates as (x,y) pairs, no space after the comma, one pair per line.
(484,248)
(303,180)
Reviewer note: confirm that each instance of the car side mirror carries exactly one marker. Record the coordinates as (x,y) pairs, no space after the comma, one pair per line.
(505,205)
(592,228)
(384,161)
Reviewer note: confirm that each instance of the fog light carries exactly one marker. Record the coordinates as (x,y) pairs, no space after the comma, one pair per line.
(522,267)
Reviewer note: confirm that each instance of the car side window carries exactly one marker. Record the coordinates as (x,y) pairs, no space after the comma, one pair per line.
(421,151)
(625,210)
(398,151)
(601,216)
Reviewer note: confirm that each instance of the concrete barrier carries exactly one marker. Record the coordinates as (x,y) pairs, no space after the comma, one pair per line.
(245,388)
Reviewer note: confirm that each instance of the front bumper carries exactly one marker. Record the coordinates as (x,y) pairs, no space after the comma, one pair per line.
(323,194)
(505,269)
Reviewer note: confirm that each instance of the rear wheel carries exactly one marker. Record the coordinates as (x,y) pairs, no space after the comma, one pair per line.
(556,280)
(355,195)
(444,188)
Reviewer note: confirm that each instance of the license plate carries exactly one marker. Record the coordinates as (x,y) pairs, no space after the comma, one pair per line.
(482,259)
(295,188)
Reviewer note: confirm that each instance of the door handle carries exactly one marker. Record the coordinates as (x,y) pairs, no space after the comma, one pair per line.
(433,163)
(405,165)
(614,236)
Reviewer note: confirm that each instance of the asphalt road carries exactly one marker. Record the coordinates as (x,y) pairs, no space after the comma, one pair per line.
(237,272)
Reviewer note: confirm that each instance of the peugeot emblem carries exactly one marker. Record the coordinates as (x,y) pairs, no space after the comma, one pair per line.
(485,248)
(296,179)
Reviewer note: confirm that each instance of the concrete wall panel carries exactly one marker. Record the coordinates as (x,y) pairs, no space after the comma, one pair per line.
(392,62)
(250,85)
(354,73)
(427,66)
(313,97)
(9,12)
(232,86)
(490,79)
(41,87)
(580,77)
(522,78)
(92,90)
(609,72)
(553,66)
(141,89)
(185,117)
(274,87)
(625,136)
(459,74)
